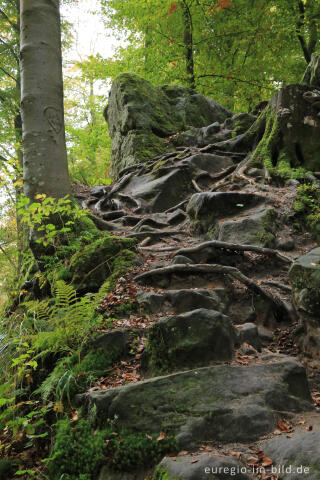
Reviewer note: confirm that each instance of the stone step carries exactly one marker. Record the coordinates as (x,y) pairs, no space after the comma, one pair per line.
(218,403)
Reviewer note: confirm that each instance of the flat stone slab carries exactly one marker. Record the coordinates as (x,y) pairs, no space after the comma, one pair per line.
(221,403)
(295,458)
(201,467)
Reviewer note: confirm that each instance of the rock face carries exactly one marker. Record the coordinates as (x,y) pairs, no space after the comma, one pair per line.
(197,320)
(204,404)
(141,117)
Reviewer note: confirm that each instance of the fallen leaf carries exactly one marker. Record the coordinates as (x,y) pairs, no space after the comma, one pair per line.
(182,453)
(283,427)
(266,462)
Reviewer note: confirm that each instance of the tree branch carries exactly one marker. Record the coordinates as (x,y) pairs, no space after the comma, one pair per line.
(13,24)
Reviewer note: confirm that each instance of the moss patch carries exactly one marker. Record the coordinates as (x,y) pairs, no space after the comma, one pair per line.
(101,259)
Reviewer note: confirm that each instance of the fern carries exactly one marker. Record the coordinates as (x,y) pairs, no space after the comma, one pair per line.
(64,293)
(41,310)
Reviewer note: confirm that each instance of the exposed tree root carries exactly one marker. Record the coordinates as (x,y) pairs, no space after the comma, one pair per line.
(279,285)
(278,305)
(214,244)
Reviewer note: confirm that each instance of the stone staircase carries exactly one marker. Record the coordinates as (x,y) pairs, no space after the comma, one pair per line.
(212,281)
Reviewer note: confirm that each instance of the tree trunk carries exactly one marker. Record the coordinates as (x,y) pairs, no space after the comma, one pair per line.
(45,168)
(188,42)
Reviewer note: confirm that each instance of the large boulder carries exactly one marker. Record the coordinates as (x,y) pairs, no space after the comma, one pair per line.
(220,403)
(141,116)
(189,340)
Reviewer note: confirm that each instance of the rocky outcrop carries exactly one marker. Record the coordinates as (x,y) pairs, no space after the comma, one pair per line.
(141,117)
(209,304)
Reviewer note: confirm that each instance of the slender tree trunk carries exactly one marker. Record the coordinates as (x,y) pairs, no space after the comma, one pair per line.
(45,168)
(188,42)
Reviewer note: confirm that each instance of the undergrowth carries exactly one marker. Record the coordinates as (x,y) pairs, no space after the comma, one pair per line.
(307,205)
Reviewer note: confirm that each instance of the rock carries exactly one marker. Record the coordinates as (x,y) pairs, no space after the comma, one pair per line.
(117,340)
(178,216)
(180,259)
(253,230)
(312,73)
(204,209)
(93,264)
(241,122)
(265,335)
(141,116)
(292,183)
(249,334)
(99,190)
(295,458)
(182,301)
(304,276)
(285,244)
(189,340)
(207,162)
(158,194)
(107,474)
(200,467)
(218,403)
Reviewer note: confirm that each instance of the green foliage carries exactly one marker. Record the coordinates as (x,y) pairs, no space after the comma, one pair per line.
(79,450)
(234,44)
(130,451)
(108,256)
(307,205)
(54,220)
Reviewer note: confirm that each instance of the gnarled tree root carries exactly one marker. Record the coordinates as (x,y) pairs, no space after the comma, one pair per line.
(278,305)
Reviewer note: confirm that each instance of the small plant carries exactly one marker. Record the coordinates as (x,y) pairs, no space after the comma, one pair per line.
(307,205)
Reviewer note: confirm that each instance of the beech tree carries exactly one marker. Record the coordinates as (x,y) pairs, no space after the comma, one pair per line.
(45,168)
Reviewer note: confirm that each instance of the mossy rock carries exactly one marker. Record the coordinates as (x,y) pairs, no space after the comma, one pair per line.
(105,257)
(189,340)
(141,116)
(304,276)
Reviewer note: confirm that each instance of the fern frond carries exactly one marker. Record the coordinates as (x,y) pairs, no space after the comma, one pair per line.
(65,294)
(41,310)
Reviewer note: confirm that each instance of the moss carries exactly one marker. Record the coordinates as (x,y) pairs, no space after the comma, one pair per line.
(307,206)
(263,154)
(101,259)
(79,451)
(120,266)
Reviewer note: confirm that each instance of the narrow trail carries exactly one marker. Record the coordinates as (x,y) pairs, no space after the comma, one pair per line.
(210,348)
